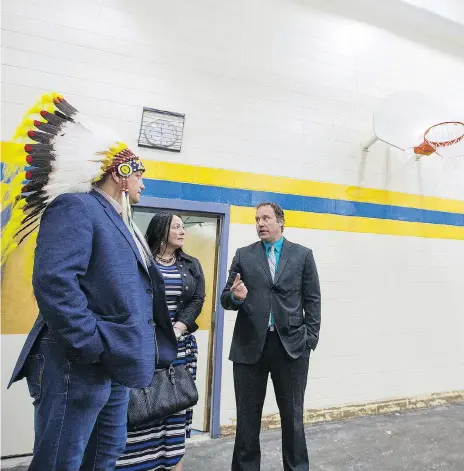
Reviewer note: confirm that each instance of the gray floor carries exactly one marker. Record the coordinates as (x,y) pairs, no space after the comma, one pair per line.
(424,440)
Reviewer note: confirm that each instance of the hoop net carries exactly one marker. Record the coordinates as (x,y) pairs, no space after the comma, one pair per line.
(446,139)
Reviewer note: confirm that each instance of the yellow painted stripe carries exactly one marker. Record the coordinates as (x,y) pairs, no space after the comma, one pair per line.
(258,182)
(331,222)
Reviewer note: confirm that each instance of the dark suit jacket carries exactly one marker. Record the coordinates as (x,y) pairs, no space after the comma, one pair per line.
(294,299)
(94,293)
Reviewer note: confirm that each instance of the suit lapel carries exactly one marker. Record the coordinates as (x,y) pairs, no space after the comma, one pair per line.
(119,223)
(284,256)
(262,258)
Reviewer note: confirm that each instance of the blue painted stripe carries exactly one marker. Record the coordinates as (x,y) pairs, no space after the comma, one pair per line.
(250,198)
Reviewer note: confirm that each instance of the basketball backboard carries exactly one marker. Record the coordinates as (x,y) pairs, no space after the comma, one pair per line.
(402,118)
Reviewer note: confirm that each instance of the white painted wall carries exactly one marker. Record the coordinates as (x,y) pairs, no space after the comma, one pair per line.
(17,412)
(260,81)
(392,318)
(283,87)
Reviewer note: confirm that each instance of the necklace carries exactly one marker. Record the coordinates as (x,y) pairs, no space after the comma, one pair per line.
(165,260)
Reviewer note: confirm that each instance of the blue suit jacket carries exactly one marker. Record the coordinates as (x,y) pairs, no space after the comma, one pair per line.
(95,294)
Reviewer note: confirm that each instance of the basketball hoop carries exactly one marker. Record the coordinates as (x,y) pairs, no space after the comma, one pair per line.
(400,120)
(439,136)
(424,149)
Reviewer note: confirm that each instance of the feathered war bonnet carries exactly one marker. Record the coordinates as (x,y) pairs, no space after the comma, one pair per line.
(56,150)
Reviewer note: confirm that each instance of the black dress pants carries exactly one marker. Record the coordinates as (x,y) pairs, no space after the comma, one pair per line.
(289,377)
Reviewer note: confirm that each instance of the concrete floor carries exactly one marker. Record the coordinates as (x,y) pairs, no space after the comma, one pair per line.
(423,440)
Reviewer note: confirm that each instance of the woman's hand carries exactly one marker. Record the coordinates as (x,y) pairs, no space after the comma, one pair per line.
(180,327)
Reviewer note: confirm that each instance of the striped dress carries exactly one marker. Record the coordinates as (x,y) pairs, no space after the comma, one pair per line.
(161,446)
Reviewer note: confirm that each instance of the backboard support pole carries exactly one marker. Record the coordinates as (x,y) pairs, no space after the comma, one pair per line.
(369,143)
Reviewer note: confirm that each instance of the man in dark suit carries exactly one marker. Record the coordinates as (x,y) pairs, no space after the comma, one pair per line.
(274,285)
(97,293)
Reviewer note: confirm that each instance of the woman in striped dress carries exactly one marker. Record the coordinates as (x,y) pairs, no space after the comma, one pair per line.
(161,445)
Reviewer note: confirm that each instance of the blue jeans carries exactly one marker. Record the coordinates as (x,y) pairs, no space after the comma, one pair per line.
(80,414)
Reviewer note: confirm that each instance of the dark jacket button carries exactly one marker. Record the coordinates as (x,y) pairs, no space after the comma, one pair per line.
(149,291)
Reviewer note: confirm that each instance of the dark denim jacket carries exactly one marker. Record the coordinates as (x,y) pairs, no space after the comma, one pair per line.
(193,293)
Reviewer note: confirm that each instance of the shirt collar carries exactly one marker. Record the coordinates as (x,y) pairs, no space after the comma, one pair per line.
(277,245)
(110,200)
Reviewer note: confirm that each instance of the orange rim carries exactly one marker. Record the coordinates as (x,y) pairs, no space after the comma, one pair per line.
(435,144)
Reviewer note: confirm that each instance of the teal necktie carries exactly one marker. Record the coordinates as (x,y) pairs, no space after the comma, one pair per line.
(272,267)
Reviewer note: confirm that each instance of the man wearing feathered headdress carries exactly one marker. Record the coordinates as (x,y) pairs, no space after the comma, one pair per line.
(93,282)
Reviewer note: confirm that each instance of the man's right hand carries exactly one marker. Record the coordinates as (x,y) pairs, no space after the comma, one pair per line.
(238,289)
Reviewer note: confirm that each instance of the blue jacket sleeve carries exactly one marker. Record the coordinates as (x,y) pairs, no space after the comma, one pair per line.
(64,247)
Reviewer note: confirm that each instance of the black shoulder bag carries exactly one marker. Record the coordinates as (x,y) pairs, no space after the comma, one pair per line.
(171,390)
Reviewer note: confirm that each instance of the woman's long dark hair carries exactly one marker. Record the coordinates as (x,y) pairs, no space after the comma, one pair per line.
(157,234)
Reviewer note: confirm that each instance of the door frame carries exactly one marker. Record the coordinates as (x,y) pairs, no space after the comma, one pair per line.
(223,211)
